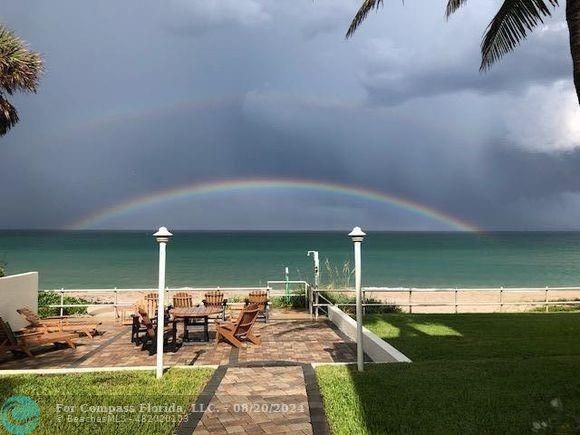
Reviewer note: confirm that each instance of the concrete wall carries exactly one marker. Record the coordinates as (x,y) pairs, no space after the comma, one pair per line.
(18,291)
(375,347)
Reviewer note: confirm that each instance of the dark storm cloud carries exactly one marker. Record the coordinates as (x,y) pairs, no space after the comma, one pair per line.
(394,75)
(531,174)
(140,97)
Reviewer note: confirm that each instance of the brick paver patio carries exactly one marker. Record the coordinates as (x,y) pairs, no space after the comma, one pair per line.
(300,341)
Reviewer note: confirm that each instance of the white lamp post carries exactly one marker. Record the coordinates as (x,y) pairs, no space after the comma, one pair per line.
(357,235)
(162,236)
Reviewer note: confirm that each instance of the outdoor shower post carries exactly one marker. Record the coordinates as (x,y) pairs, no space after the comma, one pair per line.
(357,236)
(162,236)
(316,278)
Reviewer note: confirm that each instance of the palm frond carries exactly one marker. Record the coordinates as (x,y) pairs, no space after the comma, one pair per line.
(20,68)
(366,7)
(452,6)
(8,116)
(512,23)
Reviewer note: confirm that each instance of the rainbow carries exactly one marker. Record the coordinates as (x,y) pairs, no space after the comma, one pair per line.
(238,185)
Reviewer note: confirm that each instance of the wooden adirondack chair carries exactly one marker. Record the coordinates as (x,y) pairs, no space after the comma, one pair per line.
(260,298)
(145,311)
(182,300)
(149,339)
(216,299)
(150,302)
(241,329)
(23,341)
(58,324)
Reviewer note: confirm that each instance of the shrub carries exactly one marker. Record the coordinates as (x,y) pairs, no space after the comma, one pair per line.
(558,308)
(289,302)
(342,298)
(46,298)
(341,279)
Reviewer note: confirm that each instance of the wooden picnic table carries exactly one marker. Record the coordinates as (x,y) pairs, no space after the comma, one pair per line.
(194,316)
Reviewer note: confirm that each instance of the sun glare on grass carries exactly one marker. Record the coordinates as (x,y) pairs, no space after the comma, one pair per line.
(435,329)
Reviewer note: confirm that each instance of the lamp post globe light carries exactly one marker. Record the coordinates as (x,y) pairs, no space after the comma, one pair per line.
(162,237)
(357,235)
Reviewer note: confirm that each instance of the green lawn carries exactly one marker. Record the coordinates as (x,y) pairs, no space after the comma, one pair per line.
(425,337)
(67,402)
(472,373)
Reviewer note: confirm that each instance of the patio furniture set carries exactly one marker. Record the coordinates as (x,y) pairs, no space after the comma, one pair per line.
(184,311)
(62,330)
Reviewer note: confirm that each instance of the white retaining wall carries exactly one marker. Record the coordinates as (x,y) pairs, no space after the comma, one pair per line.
(18,291)
(375,347)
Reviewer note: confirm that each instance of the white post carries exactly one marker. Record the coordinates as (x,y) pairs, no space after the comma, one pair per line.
(316,278)
(162,236)
(357,236)
(115,309)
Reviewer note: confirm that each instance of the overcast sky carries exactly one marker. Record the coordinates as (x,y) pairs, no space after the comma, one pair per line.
(140,96)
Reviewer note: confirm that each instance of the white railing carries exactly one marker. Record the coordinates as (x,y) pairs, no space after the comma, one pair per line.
(544,293)
(116,304)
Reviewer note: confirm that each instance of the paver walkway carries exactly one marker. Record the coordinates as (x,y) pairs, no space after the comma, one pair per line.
(255,400)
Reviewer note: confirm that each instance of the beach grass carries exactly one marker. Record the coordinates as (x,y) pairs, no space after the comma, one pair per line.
(109,403)
(472,373)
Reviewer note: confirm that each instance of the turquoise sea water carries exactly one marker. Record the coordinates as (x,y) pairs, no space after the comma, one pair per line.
(94,259)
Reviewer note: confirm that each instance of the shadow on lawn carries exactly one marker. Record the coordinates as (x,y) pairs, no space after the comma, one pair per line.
(468,370)
(8,387)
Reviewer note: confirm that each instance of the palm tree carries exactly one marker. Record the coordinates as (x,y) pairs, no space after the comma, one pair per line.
(20,70)
(512,23)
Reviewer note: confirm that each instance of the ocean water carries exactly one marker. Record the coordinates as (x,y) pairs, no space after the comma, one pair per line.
(97,259)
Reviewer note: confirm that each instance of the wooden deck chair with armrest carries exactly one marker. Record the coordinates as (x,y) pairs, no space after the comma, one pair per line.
(23,341)
(260,298)
(149,303)
(241,329)
(58,324)
(145,312)
(149,340)
(138,328)
(216,299)
(182,300)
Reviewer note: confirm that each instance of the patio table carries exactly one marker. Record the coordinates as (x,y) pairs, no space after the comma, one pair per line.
(191,315)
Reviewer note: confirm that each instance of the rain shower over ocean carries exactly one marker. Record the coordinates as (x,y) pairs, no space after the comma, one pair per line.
(128,259)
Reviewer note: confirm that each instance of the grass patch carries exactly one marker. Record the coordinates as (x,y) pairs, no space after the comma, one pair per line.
(472,336)
(472,373)
(490,396)
(140,393)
